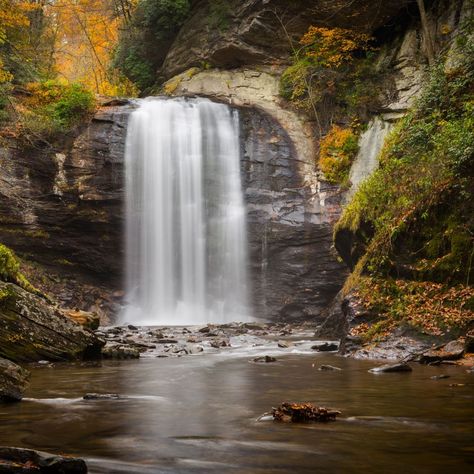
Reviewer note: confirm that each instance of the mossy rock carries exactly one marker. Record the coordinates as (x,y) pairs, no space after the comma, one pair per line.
(31,329)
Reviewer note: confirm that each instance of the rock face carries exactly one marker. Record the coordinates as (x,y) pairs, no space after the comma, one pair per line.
(32,330)
(13,381)
(255,32)
(61,207)
(294,272)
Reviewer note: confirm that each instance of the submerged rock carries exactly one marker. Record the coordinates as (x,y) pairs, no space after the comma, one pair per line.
(32,329)
(329,367)
(13,381)
(440,377)
(26,461)
(265,359)
(398,367)
(101,396)
(303,412)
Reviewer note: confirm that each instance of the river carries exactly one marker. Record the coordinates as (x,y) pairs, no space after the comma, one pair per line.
(198,414)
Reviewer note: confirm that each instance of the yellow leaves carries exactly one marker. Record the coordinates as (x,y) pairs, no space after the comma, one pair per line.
(337,149)
(331,47)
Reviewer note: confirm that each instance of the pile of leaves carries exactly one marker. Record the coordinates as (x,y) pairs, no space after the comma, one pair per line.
(303,412)
(432,308)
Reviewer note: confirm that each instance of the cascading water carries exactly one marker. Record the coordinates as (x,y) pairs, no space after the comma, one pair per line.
(185,216)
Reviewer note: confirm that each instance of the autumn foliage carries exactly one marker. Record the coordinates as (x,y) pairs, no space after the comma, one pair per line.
(332,47)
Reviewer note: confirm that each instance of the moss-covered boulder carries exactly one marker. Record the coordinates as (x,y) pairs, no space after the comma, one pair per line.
(13,381)
(31,329)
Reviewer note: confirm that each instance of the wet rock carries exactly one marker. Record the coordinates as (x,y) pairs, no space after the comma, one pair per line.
(26,461)
(303,412)
(283,344)
(264,359)
(101,396)
(32,329)
(253,326)
(13,381)
(440,377)
(166,341)
(120,351)
(326,347)
(328,367)
(132,327)
(388,368)
(220,343)
(453,350)
(204,330)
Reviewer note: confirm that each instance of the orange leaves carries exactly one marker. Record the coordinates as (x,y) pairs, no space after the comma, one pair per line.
(331,47)
(86,33)
(430,307)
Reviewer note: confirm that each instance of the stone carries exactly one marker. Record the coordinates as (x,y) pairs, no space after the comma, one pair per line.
(13,381)
(328,367)
(120,351)
(283,344)
(440,377)
(32,329)
(166,340)
(453,350)
(265,359)
(132,327)
(388,368)
(326,347)
(26,461)
(101,396)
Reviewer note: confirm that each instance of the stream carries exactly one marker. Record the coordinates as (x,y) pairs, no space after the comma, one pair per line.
(198,414)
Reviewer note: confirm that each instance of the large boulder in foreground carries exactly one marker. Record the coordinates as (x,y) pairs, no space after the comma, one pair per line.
(13,381)
(31,329)
(18,460)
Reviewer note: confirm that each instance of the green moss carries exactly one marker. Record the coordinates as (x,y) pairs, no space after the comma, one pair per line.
(10,270)
(419,201)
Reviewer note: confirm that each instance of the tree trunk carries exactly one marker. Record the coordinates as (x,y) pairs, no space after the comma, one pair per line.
(426,32)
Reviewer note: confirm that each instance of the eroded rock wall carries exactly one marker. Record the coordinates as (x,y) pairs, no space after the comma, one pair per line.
(61,209)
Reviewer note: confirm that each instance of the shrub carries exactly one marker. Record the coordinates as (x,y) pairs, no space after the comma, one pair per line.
(56,107)
(419,202)
(337,151)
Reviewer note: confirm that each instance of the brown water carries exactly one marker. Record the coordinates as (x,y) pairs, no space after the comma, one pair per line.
(198,415)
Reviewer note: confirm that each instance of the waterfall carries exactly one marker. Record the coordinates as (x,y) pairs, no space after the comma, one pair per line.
(185,215)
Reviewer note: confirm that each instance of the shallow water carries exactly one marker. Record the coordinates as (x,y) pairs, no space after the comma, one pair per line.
(198,414)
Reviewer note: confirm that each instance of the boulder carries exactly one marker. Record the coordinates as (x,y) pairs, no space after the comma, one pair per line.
(13,381)
(388,368)
(31,329)
(26,461)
